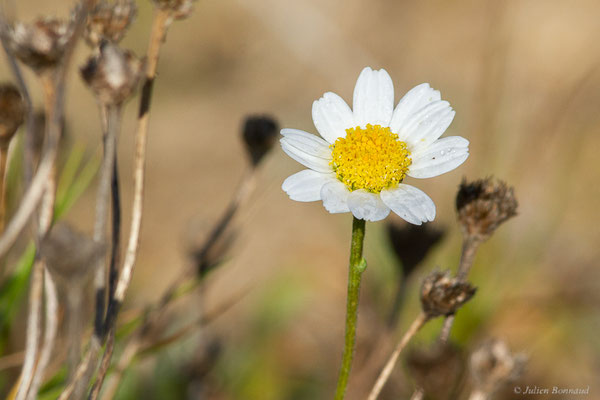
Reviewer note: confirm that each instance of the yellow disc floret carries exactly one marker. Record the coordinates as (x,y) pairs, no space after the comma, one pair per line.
(372,159)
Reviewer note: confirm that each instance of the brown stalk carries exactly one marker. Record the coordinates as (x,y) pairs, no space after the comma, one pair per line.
(152,316)
(3,162)
(389,366)
(51,327)
(467,257)
(85,370)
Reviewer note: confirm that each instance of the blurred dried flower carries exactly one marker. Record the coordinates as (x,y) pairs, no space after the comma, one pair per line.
(40,45)
(411,243)
(70,255)
(259,134)
(109,21)
(179,9)
(442,294)
(483,205)
(437,370)
(492,366)
(113,74)
(12,112)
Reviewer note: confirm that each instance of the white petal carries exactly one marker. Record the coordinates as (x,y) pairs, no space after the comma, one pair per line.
(305,185)
(332,116)
(409,203)
(367,206)
(310,144)
(441,156)
(426,125)
(309,160)
(335,197)
(415,99)
(373,101)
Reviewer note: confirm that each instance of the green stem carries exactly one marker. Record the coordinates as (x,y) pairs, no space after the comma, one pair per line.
(357,266)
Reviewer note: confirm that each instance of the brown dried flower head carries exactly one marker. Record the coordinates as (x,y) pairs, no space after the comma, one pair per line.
(441,294)
(113,74)
(411,243)
(40,45)
(179,9)
(492,366)
(437,370)
(259,134)
(70,255)
(483,205)
(109,21)
(12,112)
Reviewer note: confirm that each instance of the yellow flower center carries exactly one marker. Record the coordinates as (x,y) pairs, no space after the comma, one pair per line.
(372,159)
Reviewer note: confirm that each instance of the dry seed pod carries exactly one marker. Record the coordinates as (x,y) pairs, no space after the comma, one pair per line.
(113,74)
(442,294)
(411,243)
(437,370)
(108,21)
(483,205)
(12,112)
(40,45)
(492,366)
(70,255)
(259,134)
(179,8)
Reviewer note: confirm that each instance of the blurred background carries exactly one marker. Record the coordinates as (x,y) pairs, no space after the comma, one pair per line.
(524,79)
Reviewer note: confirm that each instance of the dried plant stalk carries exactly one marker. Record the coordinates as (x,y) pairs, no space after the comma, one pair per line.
(33,330)
(389,366)
(50,327)
(85,370)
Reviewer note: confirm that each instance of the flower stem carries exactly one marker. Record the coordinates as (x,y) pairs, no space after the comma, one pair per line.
(356,268)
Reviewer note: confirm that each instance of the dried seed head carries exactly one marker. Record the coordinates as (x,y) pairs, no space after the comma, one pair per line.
(40,45)
(492,366)
(70,255)
(109,21)
(411,243)
(442,294)
(12,112)
(259,134)
(179,9)
(483,205)
(436,369)
(113,74)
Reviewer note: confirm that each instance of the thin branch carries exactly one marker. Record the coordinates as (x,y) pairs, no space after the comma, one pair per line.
(51,326)
(389,366)
(152,315)
(33,329)
(467,257)
(3,162)
(138,344)
(115,250)
(159,30)
(113,123)
(104,365)
(418,394)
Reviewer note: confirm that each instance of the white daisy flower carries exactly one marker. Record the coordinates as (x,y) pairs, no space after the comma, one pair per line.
(367,152)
